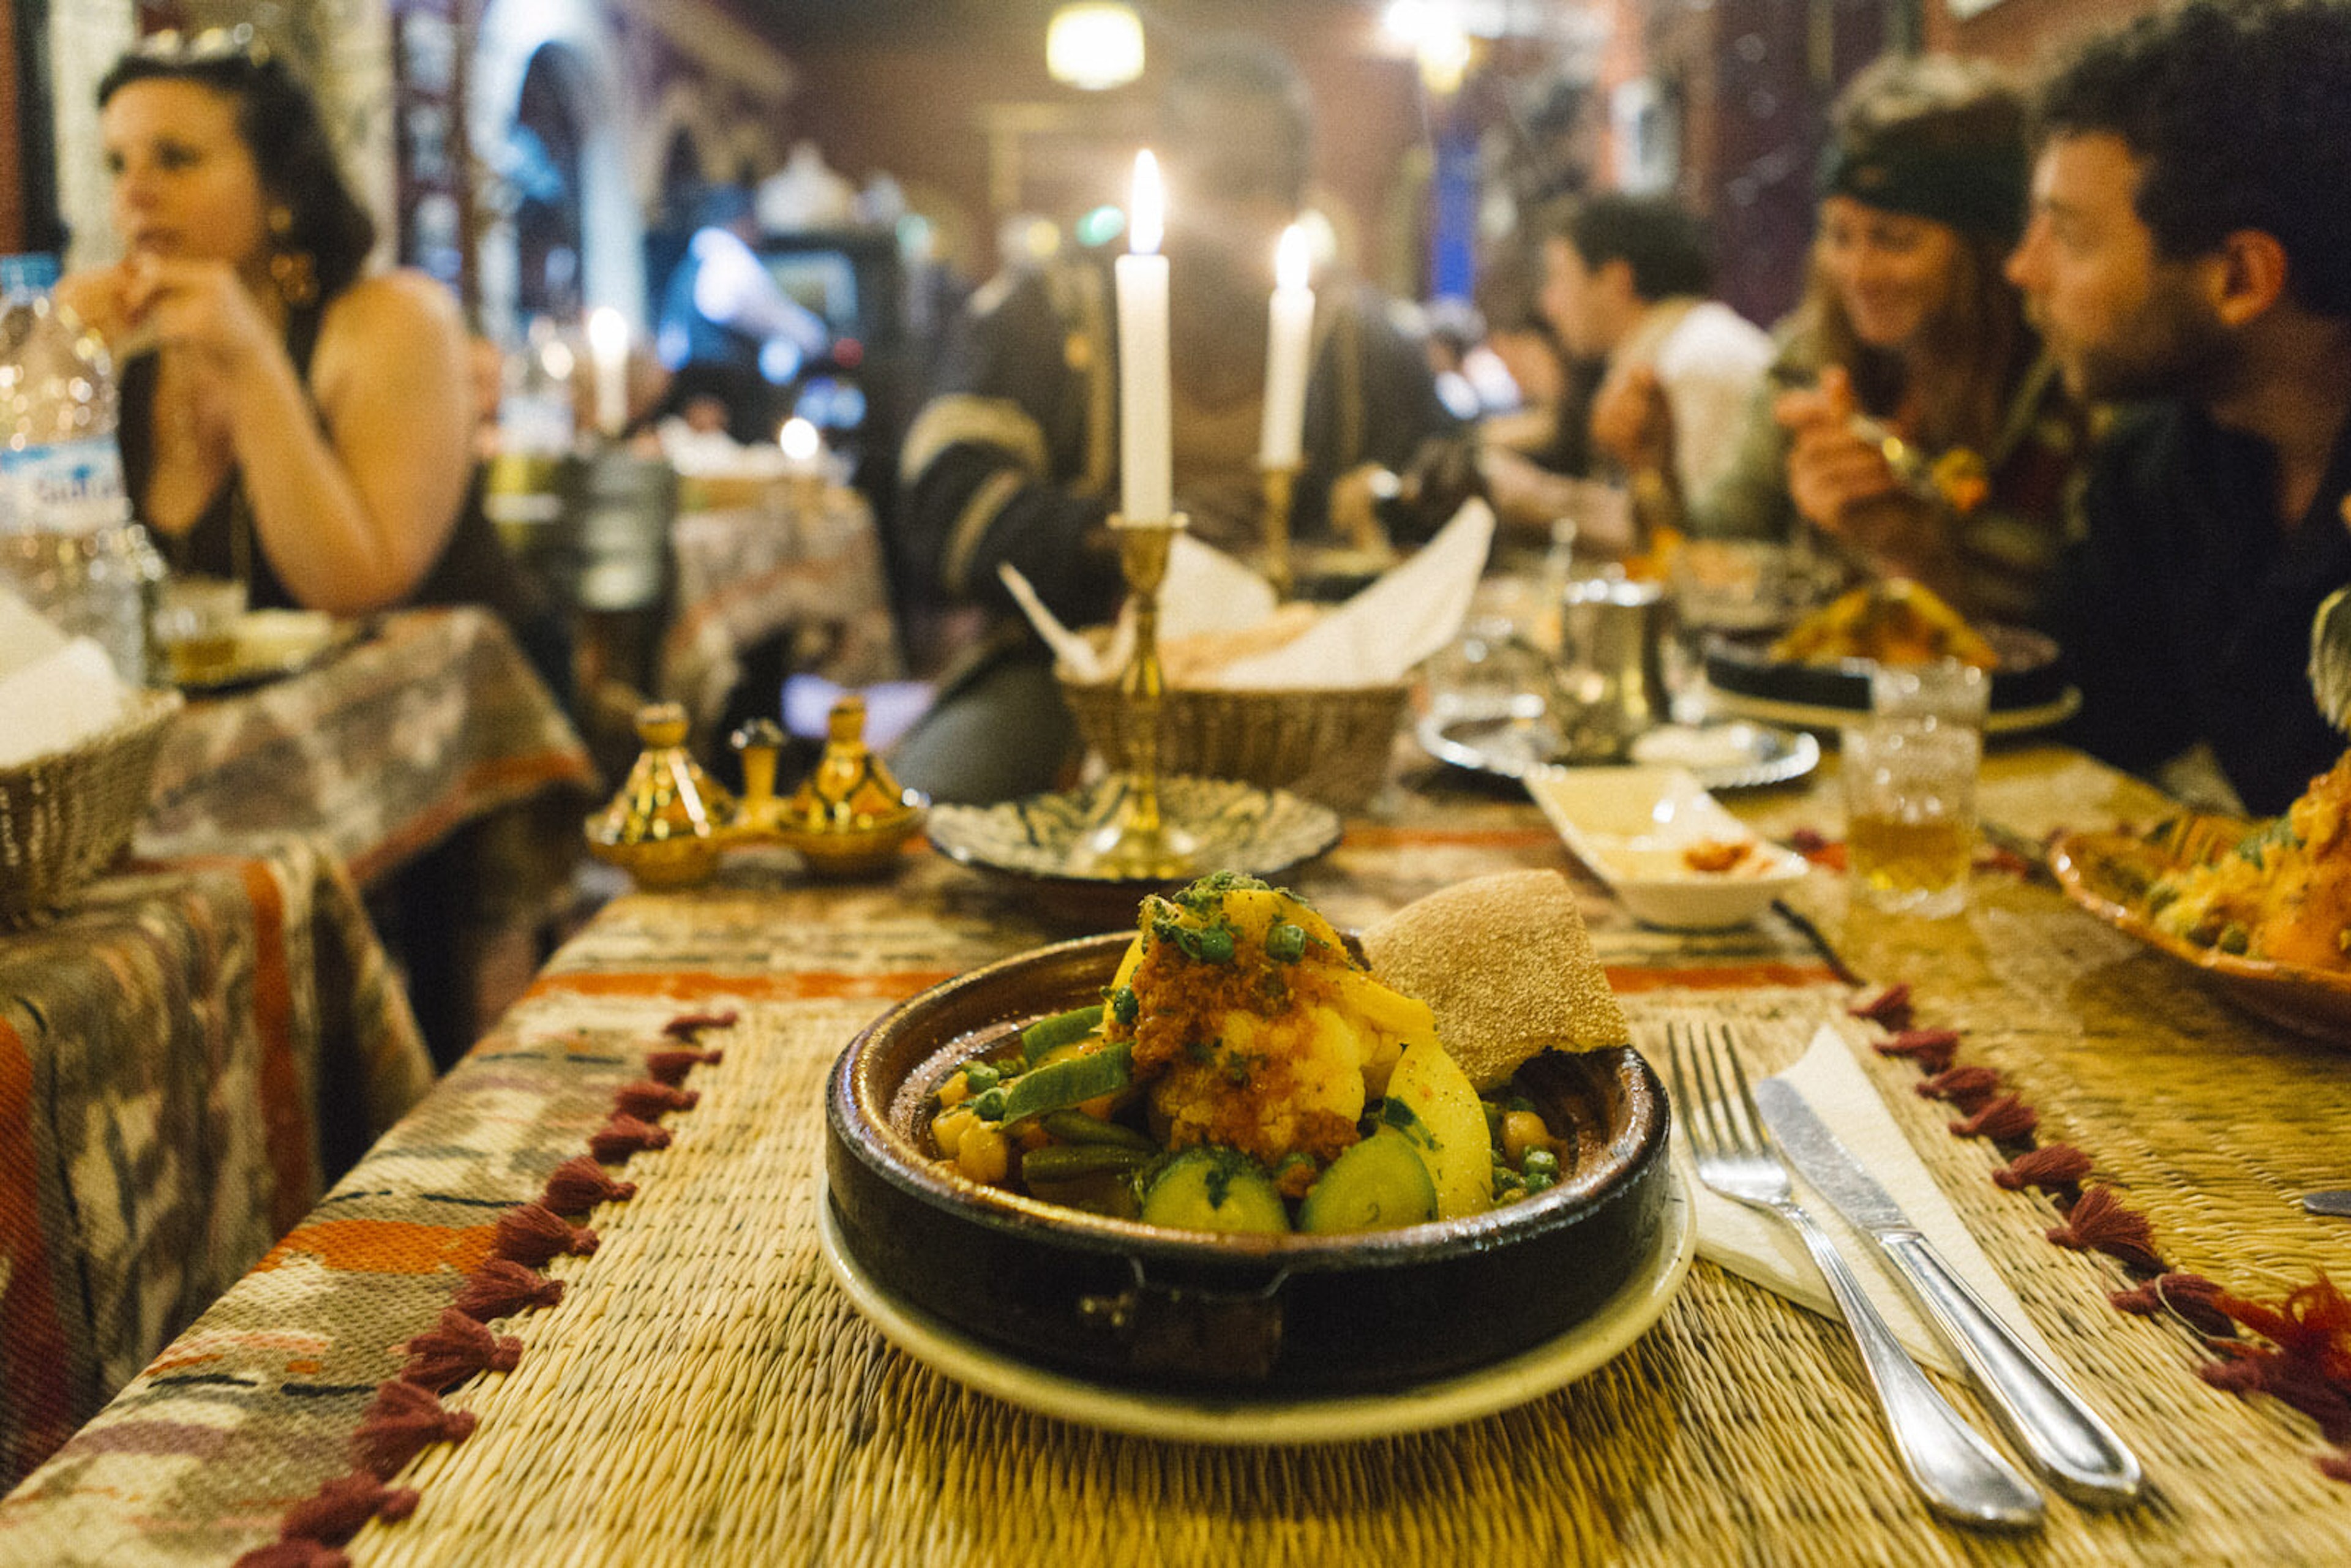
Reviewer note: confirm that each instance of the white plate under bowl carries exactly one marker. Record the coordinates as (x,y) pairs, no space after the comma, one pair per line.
(1630,825)
(1618,1321)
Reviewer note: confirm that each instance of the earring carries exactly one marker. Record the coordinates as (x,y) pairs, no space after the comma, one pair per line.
(294,272)
(296,275)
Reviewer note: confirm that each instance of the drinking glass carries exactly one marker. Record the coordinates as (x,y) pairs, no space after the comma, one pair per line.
(196,625)
(1909,774)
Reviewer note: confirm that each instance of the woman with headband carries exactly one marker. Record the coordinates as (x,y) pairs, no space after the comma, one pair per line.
(1909,418)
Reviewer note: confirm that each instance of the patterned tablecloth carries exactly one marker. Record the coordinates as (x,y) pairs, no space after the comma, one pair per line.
(687,1383)
(431,721)
(181,1056)
(804,560)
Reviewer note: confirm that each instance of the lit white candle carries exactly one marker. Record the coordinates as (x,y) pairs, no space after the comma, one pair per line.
(608,350)
(803,445)
(1289,334)
(1147,493)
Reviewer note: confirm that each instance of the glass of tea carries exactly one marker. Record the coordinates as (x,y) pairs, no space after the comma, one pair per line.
(1909,774)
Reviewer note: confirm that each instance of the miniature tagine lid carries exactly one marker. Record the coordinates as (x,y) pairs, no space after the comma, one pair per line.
(850,816)
(663,826)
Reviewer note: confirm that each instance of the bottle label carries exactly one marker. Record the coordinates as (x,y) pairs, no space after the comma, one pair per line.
(65,488)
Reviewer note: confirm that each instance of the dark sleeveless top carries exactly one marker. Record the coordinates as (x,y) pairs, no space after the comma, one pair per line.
(473,567)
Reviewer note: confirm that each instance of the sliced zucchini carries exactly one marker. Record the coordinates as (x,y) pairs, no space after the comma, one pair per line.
(1377,1184)
(1211,1188)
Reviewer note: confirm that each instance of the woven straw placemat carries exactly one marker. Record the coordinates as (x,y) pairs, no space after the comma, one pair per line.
(706,1395)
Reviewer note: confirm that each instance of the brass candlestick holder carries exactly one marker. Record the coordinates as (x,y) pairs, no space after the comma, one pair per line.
(1141,844)
(670,823)
(1281,488)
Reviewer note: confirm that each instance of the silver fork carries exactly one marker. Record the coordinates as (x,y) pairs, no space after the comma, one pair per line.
(1960,1475)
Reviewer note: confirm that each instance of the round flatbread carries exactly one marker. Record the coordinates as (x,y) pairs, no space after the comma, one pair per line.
(1506,965)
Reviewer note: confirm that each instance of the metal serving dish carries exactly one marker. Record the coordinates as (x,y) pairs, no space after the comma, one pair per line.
(2029,675)
(1144,1307)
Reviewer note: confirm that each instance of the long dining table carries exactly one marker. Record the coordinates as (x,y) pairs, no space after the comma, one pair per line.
(573,1307)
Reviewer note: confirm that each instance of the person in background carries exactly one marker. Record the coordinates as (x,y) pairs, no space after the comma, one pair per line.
(1908,321)
(1014,462)
(1626,280)
(1532,459)
(2190,250)
(727,329)
(287,420)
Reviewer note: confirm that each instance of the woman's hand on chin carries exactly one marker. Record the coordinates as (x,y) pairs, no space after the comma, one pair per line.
(200,306)
(98,298)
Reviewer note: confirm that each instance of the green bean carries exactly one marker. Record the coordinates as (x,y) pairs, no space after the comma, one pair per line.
(1074,1126)
(1067,1162)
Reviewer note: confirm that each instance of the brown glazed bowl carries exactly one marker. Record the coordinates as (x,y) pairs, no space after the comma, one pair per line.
(1146,1306)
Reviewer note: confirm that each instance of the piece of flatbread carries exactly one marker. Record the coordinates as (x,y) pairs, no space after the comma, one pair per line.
(1506,965)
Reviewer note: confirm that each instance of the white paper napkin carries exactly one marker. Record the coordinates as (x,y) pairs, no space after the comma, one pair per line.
(1757,1247)
(1374,638)
(57,701)
(1382,633)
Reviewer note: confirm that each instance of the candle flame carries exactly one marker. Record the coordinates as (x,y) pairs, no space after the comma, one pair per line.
(1292,262)
(1147,213)
(608,333)
(800,440)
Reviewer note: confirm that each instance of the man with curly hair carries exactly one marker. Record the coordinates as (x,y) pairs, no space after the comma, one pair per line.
(2189,252)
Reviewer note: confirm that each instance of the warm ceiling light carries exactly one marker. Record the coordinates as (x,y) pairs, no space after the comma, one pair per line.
(1094,45)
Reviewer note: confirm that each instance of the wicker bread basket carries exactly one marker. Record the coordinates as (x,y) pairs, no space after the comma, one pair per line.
(64,815)
(1326,744)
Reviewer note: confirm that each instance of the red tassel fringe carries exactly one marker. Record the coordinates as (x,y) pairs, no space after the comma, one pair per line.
(1966,1087)
(580,1184)
(2052,1167)
(648,1099)
(2190,1297)
(1890,1010)
(455,1348)
(624,1135)
(672,1066)
(533,1235)
(333,1514)
(401,1422)
(1931,1049)
(2099,1223)
(2002,1120)
(689,1026)
(501,1287)
(296,1554)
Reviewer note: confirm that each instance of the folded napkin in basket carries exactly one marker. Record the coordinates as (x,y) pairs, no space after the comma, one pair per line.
(1757,1247)
(1373,639)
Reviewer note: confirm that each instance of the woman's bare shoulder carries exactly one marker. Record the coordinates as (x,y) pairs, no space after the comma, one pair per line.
(397,304)
(393,319)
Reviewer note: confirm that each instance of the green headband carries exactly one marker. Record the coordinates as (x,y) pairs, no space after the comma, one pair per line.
(1977,190)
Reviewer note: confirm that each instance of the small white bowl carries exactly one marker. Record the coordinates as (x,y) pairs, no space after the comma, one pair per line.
(1635,828)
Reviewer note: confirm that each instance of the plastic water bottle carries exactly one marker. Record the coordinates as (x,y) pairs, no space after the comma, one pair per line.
(65,533)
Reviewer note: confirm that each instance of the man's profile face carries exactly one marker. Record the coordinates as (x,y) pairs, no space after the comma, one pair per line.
(2120,320)
(1572,299)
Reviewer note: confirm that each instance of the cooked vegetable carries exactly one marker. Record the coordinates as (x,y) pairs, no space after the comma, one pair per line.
(1378,1185)
(1448,1125)
(1067,1162)
(1069,1081)
(1211,1188)
(1049,1034)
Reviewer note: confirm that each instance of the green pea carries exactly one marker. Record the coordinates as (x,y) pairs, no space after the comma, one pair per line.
(1541,1162)
(1537,1182)
(1285,943)
(1124,1006)
(981,1076)
(989,1107)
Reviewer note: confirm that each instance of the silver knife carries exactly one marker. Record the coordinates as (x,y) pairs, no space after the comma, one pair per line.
(2337,1204)
(2078,1452)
